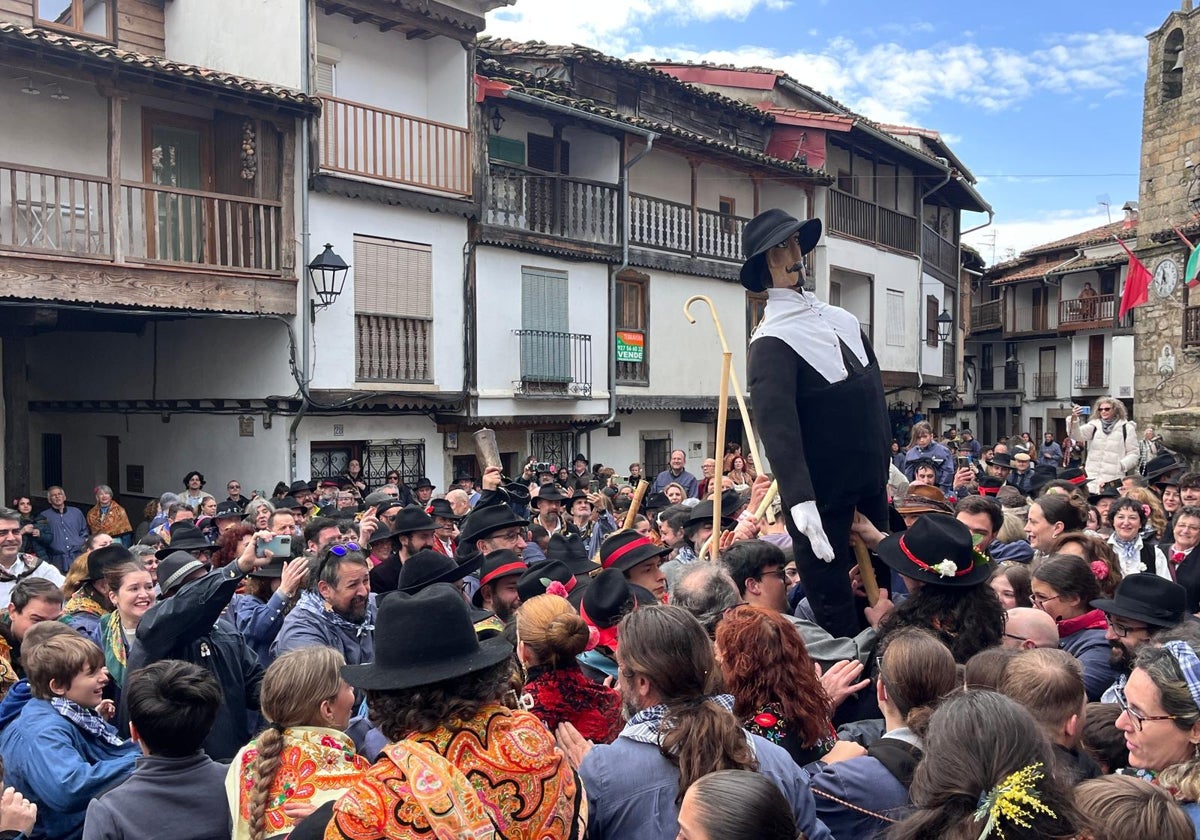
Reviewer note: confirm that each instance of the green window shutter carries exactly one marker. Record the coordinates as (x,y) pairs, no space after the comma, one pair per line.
(546,353)
(506,150)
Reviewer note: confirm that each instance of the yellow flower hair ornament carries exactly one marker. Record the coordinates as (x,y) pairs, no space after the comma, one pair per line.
(1014,799)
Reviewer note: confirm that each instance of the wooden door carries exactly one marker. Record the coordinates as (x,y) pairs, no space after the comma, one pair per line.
(177,154)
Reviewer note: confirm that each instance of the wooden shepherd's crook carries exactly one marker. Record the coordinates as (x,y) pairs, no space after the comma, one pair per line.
(751,440)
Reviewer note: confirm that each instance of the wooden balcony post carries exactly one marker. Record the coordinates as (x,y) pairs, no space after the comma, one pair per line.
(116,212)
(694,165)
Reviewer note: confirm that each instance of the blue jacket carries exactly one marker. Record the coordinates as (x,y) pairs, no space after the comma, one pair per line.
(1092,650)
(54,764)
(14,702)
(68,533)
(87,624)
(259,622)
(1017,551)
(631,790)
(863,782)
(306,627)
(941,458)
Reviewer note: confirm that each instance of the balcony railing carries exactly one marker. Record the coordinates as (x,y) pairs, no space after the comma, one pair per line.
(554,364)
(864,220)
(1031,319)
(987,316)
(397,148)
(389,349)
(1045,385)
(1009,376)
(553,205)
(1191,326)
(939,252)
(44,211)
(1086,312)
(668,226)
(1091,373)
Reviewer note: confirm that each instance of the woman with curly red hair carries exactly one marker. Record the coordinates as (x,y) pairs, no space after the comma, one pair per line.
(774,682)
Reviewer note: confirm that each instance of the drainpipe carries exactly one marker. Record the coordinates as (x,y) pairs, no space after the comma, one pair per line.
(612,294)
(305,233)
(921,277)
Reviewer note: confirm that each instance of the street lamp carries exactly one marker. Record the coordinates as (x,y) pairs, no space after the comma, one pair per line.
(328,276)
(497,119)
(944,325)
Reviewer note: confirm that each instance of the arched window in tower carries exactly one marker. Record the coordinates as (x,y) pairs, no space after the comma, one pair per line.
(1172,66)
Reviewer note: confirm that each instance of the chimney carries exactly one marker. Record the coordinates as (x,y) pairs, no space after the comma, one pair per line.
(1187,6)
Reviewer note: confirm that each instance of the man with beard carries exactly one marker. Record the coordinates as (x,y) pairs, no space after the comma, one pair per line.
(498,578)
(337,610)
(1141,606)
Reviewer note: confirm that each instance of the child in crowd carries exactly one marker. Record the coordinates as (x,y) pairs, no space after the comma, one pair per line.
(172,706)
(60,752)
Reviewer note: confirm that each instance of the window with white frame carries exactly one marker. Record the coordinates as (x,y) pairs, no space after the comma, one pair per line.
(895,318)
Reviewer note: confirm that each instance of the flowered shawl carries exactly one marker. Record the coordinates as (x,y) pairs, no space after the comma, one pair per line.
(523,783)
(82,602)
(565,694)
(114,523)
(116,651)
(317,765)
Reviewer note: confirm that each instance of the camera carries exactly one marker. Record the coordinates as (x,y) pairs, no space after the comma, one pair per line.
(540,466)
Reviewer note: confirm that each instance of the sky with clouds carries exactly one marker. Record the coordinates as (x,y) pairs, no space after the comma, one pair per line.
(1042,101)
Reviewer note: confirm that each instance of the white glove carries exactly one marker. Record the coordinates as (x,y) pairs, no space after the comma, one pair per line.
(808,522)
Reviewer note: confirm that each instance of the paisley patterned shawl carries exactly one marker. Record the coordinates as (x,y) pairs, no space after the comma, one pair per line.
(317,765)
(508,760)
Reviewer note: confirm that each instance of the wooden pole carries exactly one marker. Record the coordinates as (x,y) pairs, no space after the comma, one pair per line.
(722,418)
(636,503)
(751,440)
(870,584)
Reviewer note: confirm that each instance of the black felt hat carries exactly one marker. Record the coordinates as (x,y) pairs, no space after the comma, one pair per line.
(184,537)
(102,558)
(407,654)
(427,567)
(548,493)
(174,569)
(625,549)
(412,519)
(499,564)
(487,520)
(655,501)
(572,553)
(1002,459)
(1149,598)
(936,549)
(423,482)
(299,487)
(1161,464)
(441,508)
(765,231)
(289,503)
(535,580)
(274,569)
(229,510)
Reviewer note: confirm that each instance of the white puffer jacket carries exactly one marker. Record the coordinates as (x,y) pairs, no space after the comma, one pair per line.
(1109,456)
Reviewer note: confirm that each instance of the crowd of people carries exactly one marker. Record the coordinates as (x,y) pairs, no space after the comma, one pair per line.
(570,654)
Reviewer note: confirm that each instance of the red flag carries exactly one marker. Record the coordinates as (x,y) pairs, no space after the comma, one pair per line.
(1137,283)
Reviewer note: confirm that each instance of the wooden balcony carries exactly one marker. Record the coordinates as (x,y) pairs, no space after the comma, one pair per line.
(1031,320)
(861,219)
(1191,326)
(395,148)
(671,226)
(388,349)
(1091,373)
(148,229)
(1097,312)
(1002,378)
(987,316)
(553,205)
(939,254)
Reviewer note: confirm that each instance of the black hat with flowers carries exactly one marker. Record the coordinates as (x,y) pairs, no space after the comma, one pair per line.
(936,550)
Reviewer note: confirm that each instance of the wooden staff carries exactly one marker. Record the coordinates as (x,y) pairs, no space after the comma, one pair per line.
(722,418)
(751,440)
(638,495)
(870,584)
(765,504)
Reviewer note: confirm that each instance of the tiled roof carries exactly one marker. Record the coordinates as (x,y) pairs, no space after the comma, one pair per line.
(501,47)
(813,92)
(1095,262)
(559,92)
(1095,236)
(23,37)
(1021,271)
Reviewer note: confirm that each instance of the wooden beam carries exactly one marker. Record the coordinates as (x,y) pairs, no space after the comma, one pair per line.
(16,418)
(287,195)
(71,281)
(116,207)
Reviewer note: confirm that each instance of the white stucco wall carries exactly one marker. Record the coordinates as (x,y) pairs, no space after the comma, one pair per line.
(323,429)
(337,220)
(424,78)
(498,302)
(1120,368)
(260,39)
(619,452)
(662,175)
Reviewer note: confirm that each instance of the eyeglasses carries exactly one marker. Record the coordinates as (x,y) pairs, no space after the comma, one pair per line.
(1122,630)
(1106,408)
(342,549)
(1041,600)
(780,574)
(234,487)
(1136,718)
(1016,638)
(508,535)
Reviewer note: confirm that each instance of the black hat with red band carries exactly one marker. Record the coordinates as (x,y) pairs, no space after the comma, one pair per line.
(936,550)
(500,563)
(625,549)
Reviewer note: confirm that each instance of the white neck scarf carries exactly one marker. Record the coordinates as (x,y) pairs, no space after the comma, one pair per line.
(814,330)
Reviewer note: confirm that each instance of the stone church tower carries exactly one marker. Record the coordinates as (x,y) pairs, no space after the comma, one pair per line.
(1167,328)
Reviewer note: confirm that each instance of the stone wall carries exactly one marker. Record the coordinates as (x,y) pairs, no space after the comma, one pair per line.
(1166,376)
